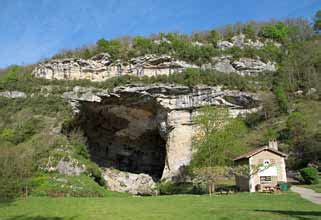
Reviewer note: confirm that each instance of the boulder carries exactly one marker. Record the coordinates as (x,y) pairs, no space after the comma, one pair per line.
(137,184)
(248,66)
(223,45)
(70,167)
(13,94)
(240,41)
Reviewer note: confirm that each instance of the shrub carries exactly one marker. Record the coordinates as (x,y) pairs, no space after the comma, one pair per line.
(170,188)
(94,172)
(278,32)
(57,185)
(16,167)
(310,175)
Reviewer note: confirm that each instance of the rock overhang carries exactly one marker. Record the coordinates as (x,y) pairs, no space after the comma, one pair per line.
(167,110)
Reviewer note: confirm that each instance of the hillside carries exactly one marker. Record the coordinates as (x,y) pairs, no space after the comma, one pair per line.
(120,115)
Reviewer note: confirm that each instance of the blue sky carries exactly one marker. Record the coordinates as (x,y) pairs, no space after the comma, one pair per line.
(31,30)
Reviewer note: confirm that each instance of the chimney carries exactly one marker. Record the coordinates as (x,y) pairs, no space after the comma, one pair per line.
(273,144)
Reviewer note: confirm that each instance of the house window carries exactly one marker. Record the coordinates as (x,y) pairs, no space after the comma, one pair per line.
(266,163)
(265,179)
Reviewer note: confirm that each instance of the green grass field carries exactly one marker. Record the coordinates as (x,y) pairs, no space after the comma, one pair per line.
(240,206)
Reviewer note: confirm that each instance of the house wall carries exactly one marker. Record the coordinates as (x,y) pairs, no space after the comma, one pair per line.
(276,160)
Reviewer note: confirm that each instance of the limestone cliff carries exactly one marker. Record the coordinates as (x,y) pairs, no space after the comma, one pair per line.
(148,129)
(100,67)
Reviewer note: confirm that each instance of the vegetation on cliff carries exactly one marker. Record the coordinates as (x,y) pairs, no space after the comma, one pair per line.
(290,111)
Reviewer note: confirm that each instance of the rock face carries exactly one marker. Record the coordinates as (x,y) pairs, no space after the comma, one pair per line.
(240,41)
(70,167)
(100,67)
(148,129)
(13,94)
(242,66)
(138,184)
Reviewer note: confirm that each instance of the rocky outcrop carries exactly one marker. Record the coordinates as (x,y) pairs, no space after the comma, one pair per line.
(100,67)
(13,94)
(70,167)
(242,66)
(138,184)
(240,41)
(132,127)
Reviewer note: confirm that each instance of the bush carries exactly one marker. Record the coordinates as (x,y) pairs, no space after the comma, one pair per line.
(170,188)
(278,32)
(310,175)
(16,167)
(57,185)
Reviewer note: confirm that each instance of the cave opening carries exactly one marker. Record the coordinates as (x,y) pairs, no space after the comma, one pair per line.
(125,137)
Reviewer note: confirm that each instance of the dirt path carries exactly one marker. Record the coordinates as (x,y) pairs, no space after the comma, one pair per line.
(308,194)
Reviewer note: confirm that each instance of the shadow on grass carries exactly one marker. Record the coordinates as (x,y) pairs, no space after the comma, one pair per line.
(23,217)
(6,203)
(296,214)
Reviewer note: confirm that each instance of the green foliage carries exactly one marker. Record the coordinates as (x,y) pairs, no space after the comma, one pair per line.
(11,75)
(282,98)
(57,185)
(278,32)
(94,171)
(16,167)
(301,68)
(317,21)
(310,175)
(170,188)
(112,47)
(210,176)
(142,46)
(213,37)
(268,53)
(249,31)
(296,125)
(219,139)
(21,133)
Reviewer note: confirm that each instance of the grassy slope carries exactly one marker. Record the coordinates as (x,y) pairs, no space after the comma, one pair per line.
(239,206)
(310,108)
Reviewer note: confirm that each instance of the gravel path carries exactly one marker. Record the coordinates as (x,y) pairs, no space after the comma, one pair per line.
(308,194)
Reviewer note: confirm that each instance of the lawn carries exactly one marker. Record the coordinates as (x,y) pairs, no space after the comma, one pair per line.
(316,187)
(240,206)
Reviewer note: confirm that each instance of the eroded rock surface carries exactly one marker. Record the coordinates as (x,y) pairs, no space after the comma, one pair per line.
(100,67)
(240,41)
(138,184)
(148,129)
(242,66)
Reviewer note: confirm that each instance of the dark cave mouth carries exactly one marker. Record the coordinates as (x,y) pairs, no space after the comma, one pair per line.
(126,138)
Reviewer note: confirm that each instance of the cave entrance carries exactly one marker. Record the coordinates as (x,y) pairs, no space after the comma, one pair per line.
(125,137)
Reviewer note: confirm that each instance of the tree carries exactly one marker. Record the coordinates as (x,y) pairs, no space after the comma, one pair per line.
(249,31)
(112,47)
(142,45)
(210,176)
(214,37)
(281,98)
(296,124)
(278,31)
(16,167)
(317,21)
(219,139)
